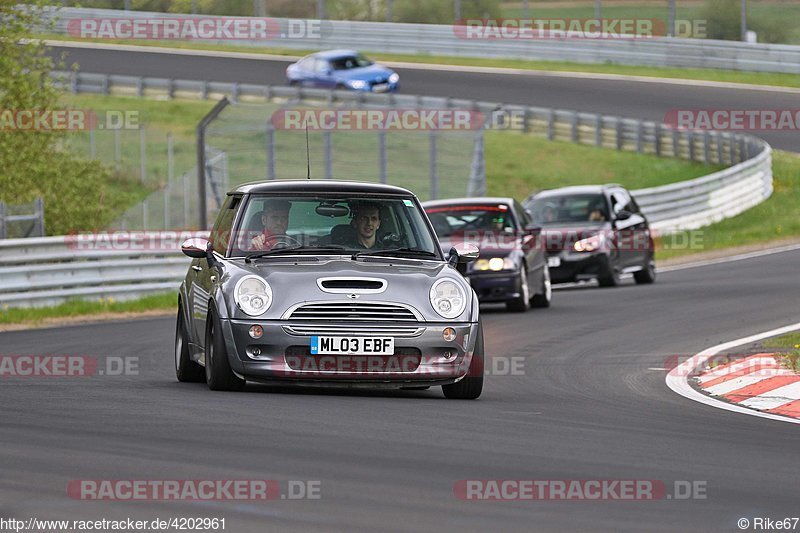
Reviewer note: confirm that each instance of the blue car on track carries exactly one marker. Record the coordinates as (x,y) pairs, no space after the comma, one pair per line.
(342,69)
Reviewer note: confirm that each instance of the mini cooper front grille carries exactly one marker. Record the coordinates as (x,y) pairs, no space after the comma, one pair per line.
(354,312)
(354,331)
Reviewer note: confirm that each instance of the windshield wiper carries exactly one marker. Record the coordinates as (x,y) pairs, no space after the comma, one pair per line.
(395,252)
(294,250)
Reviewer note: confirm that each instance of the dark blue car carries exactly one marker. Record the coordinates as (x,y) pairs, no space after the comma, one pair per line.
(342,69)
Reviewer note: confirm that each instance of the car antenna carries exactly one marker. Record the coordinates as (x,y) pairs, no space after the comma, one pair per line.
(308,156)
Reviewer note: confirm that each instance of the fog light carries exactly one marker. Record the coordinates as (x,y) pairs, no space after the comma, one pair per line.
(256,331)
(255,351)
(449,355)
(449,334)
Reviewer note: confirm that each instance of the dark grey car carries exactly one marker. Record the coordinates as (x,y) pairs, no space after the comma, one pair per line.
(328,283)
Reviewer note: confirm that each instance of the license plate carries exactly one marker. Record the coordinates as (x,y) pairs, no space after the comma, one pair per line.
(380,87)
(554,262)
(352,345)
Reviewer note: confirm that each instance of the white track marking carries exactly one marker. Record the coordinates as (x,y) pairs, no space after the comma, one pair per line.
(774,398)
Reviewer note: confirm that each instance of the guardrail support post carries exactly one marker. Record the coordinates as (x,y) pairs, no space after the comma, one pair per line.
(690,138)
(38,203)
(235,92)
(706,148)
(676,149)
(3,230)
(140,87)
(657,141)
(743,152)
(718,141)
(598,130)
(574,127)
(639,136)
(106,84)
(551,118)
(73,82)
(171,88)
(620,139)
(434,167)
(526,118)
(382,156)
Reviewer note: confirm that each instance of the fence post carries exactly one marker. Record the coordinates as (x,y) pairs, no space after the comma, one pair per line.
(166,208)
(39,205)
(144,215)
(3,231)
(718,140)
(434,167)
(382,156)
(477,177)
(142,156)
(185,201)
(117,146)
(170,160)
(92,145)
(270,138)
(326,138)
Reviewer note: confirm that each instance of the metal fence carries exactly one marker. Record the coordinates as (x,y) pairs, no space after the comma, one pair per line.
(445,40)
(22,221)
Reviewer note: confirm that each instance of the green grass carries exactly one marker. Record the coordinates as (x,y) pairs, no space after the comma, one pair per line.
(518,164)
(79,308)
(774,219)
(757,78)
(788,341)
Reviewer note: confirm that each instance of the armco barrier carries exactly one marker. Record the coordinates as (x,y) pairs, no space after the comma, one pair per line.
(438,39)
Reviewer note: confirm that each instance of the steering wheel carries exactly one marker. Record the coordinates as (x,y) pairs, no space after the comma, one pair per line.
(394,240)
(276,242)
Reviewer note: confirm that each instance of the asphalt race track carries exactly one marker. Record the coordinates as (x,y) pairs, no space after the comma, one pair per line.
(590,404)
(635,99)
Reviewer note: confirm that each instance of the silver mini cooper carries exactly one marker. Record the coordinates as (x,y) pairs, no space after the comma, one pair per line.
(328,283)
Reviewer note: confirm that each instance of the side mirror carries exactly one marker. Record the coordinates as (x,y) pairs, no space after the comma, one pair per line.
(196,248)
(533,229)
(624,215)
(463,253)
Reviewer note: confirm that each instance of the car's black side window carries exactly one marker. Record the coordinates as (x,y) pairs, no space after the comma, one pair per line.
(221,232)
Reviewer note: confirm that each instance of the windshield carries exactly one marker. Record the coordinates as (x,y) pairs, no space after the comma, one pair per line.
(569,209)
(349,62)
(459,219)
(332,225)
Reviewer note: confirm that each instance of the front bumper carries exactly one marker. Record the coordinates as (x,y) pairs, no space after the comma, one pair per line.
(579,266)
(423,358)
(495,286)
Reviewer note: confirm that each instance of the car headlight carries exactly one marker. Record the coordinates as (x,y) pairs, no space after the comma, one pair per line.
(357,84)
(448,298)
(589,244)
(253,295)
(495,264)
(394,78)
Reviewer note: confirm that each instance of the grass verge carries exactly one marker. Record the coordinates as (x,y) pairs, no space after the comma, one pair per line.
(77,309)
(754,78)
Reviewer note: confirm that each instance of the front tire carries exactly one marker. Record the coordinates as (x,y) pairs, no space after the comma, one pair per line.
(647,274)
(546,295)
(471,386)
(521,303)
(186,370)
(219,375)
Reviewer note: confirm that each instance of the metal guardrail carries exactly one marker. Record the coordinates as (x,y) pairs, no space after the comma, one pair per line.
(437,39)
(50,270)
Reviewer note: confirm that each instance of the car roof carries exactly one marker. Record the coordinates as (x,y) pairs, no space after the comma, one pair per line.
(466,201)
(575,189)
(333,54)
(320,187)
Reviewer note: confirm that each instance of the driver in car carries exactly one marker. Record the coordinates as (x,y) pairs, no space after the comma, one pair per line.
(275,219)
(366,222)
